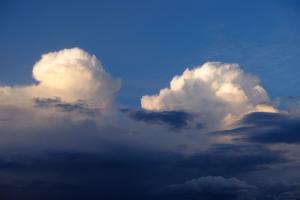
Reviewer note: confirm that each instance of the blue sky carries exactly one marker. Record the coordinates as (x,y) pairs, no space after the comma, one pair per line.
(146,43)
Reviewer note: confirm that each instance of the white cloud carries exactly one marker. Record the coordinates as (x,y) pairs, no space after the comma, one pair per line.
(70,74)
(218,92)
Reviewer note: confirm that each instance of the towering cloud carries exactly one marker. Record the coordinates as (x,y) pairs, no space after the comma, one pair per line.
(69,74)
(218,92)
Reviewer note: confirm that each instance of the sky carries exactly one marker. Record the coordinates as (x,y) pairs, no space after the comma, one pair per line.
(141,40)
(143,100)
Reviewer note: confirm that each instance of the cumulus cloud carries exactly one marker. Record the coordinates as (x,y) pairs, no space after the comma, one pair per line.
(220,92)
(69,74)
(211,187)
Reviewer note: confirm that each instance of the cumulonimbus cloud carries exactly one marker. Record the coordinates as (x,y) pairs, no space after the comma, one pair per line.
(219,92)
(69,74)
(66,126)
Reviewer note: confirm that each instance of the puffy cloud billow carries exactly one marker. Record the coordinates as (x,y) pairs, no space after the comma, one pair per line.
(69,74)
(220,92)
(210,187)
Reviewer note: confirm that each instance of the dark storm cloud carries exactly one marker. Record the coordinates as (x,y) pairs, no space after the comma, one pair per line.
(221,188)
(233,159)
(268,128)
(174,119)
(56,102)
(117,169)
(279,190)
(128,172)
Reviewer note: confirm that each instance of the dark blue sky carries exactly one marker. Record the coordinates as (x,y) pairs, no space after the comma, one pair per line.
(147,42)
